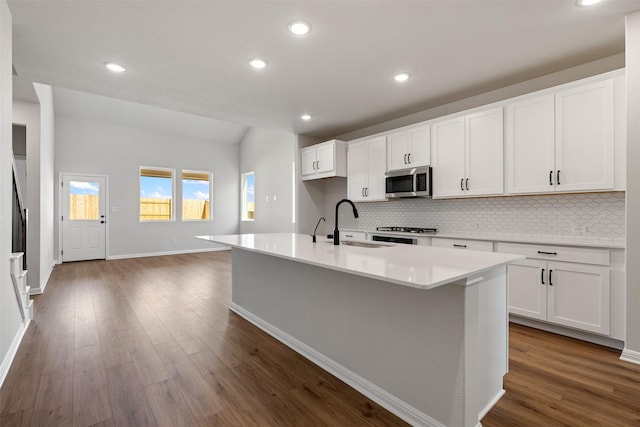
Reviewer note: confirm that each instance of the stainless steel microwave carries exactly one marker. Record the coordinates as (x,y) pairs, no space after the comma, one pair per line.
(415,182)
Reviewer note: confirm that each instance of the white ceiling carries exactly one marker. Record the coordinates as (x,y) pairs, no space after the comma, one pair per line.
(191,56)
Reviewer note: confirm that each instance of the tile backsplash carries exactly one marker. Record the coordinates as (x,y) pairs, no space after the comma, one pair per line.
(591,215)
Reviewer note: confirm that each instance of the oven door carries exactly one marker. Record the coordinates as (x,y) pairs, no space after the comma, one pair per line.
(394,239)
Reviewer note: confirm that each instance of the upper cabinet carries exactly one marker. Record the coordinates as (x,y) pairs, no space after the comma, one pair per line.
(367,165)
(409,148)
(562,141)
(324,160)
(467,157)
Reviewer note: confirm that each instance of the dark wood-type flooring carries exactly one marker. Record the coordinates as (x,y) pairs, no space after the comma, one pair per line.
(150,341)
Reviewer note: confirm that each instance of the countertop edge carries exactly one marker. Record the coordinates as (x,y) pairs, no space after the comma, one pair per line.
(591,243)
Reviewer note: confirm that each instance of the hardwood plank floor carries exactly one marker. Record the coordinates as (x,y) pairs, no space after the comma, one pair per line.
(150,341)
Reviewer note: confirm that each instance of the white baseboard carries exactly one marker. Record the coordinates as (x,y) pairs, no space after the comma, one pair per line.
(391,403)
(11,354)
(43,283)
(572,333)
(630,356)
(490,405)
(182,252)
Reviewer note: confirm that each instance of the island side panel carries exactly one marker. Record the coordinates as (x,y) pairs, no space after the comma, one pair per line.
(486,324)
(408,342)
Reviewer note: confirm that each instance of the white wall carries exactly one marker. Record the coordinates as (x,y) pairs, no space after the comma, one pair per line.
(28,115)
(10,321)
(94,147)
(270,154)
(632,343)
(47,179)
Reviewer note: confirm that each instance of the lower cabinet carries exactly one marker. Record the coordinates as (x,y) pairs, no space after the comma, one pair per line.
(353,235)
(568,294)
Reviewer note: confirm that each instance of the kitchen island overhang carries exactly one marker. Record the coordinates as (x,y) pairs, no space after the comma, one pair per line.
(432,350)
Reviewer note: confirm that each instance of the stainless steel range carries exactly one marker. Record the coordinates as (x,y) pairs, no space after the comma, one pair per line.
(409,230)
(401,239)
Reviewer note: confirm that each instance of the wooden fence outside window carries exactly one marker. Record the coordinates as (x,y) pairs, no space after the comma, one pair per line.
(87,207)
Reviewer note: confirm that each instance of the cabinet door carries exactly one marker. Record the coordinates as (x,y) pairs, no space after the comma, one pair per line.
(325,156)
(397,151)
(585,137)
(376,167)
(307,161)
(419,146)
(357,171)
(578,296)
(484,153)
(528,285)
(448,167)
(530,145)
(353,235)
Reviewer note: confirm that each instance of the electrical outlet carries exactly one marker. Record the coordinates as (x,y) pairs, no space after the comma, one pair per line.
(576,229)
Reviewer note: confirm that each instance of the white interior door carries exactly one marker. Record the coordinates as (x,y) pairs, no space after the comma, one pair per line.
(83,218)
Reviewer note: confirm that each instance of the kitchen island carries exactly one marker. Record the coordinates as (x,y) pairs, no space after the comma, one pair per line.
(420,330)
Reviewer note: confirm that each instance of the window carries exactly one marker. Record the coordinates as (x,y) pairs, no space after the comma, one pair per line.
(84,200)
(196,195)
(156,194)
(248,205)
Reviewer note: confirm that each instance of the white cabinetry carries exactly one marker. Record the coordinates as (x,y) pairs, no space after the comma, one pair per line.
(476,245)
(562,141)
(324,160)
(409,148)
(367,165)
(467,155)
(574,294)
(353,235)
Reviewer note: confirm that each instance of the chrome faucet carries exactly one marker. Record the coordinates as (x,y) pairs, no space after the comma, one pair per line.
(336,232)
(316,229)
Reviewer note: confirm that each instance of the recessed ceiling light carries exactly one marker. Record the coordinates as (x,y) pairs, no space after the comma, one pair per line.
(402,77)
(587,2)
(258,63)
(299,28)
(115,67)
(305,117)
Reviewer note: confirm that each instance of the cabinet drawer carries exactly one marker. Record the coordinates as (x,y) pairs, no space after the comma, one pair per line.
(476,245)
(353,235)
(557,253)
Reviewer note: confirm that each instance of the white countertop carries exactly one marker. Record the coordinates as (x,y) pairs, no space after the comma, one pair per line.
(582,241)
(421,267)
